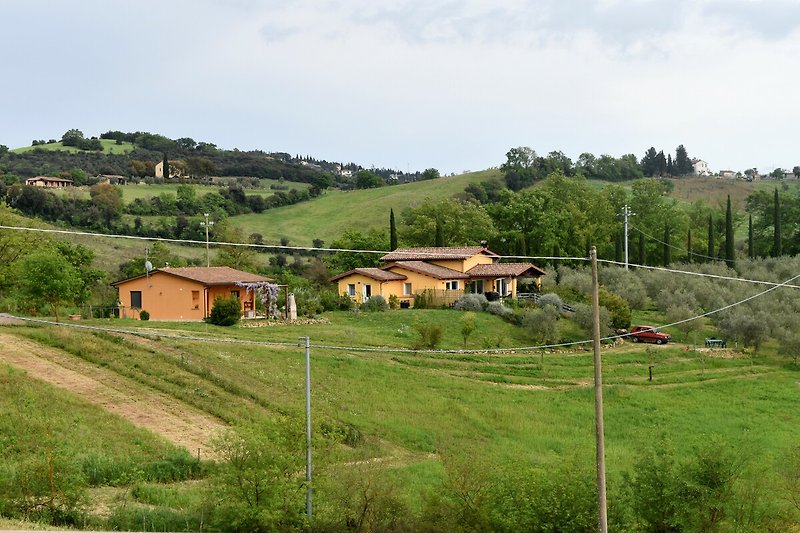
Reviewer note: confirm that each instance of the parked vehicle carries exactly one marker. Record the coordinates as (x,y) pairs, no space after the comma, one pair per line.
(649,334)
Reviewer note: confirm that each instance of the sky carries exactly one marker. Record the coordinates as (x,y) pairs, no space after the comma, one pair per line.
(413,84)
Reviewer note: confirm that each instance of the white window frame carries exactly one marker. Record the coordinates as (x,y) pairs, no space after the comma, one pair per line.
(407,290)
(451,285)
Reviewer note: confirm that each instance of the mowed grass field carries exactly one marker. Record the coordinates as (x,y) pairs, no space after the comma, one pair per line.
(110,146)
(532,408)
(145,191)
(329,215)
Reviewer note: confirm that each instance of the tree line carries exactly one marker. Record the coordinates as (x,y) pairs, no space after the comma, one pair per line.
(563,216)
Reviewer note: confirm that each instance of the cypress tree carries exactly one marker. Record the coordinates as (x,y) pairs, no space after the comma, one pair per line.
(750,253)
(711,246)
(667,247)
(556,253)
(166,166)
(392,231)
(439,239)
(777,244)
(729,248)
(618,247)
(642,253)
(689,246)
(522,249)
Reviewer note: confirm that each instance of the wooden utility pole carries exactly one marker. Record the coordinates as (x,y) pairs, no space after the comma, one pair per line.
(598,401)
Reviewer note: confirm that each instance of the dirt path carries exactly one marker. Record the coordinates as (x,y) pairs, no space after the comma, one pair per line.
(177,422)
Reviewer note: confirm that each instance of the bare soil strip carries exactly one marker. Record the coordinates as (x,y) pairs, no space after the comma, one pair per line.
(179,423)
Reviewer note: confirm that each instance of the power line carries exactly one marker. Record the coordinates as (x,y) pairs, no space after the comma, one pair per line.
(704,275)
(366,349)
(689,252)
(382,252)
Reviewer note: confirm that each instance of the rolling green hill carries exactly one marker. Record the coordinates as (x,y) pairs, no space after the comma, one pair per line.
(328,216)
(109,147)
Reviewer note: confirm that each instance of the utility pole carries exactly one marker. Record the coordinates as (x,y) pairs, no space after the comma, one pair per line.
(209,223)
(600,446)
(308,426)
(626,212)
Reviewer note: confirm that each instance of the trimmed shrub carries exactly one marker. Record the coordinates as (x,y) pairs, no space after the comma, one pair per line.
(144,315)
(471,302)
(497,308)
(375,304)
(394,302)
(227,311)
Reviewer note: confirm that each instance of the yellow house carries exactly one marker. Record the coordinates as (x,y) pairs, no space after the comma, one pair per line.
(184,293)
(444,273)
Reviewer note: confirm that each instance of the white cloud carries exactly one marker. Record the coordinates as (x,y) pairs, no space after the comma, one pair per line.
(435,83)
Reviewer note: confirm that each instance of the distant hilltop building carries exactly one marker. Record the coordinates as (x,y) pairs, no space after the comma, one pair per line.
(700,168)
(727,174)
(175,170)
(47,181)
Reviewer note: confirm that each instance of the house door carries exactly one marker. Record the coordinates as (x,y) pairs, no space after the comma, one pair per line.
(367,292)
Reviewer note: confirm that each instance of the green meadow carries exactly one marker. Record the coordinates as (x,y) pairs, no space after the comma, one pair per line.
(110,146)
(420,409)
(329,215)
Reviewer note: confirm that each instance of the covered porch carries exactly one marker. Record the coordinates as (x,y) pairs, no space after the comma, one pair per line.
(504,279)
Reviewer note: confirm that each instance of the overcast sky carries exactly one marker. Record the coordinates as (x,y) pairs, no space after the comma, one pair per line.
(412,84)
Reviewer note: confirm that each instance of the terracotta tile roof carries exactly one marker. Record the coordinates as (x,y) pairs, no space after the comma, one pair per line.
(206,275)
(48,178)
(374,273)
(213,275)
(427,269)
(505,269)
(434,253)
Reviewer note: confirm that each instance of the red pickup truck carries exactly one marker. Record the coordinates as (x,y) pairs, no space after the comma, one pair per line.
(649,334)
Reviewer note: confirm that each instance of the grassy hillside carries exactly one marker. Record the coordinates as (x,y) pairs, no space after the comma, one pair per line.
(110,146)
(419,412)
(133,191)
(334,212)
(328,216)
(714,191)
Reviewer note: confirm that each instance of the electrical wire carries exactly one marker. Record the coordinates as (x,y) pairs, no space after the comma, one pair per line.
(676,247)
(151,334)
(382,252)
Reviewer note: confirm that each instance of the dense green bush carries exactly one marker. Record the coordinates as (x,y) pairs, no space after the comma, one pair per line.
(430,335)
(375,304)
(423,300)
(144,315)
(618,308)
(227,311)
(498,309)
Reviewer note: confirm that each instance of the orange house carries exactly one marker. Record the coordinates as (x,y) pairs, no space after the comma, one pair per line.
(445,273)
(184,293)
